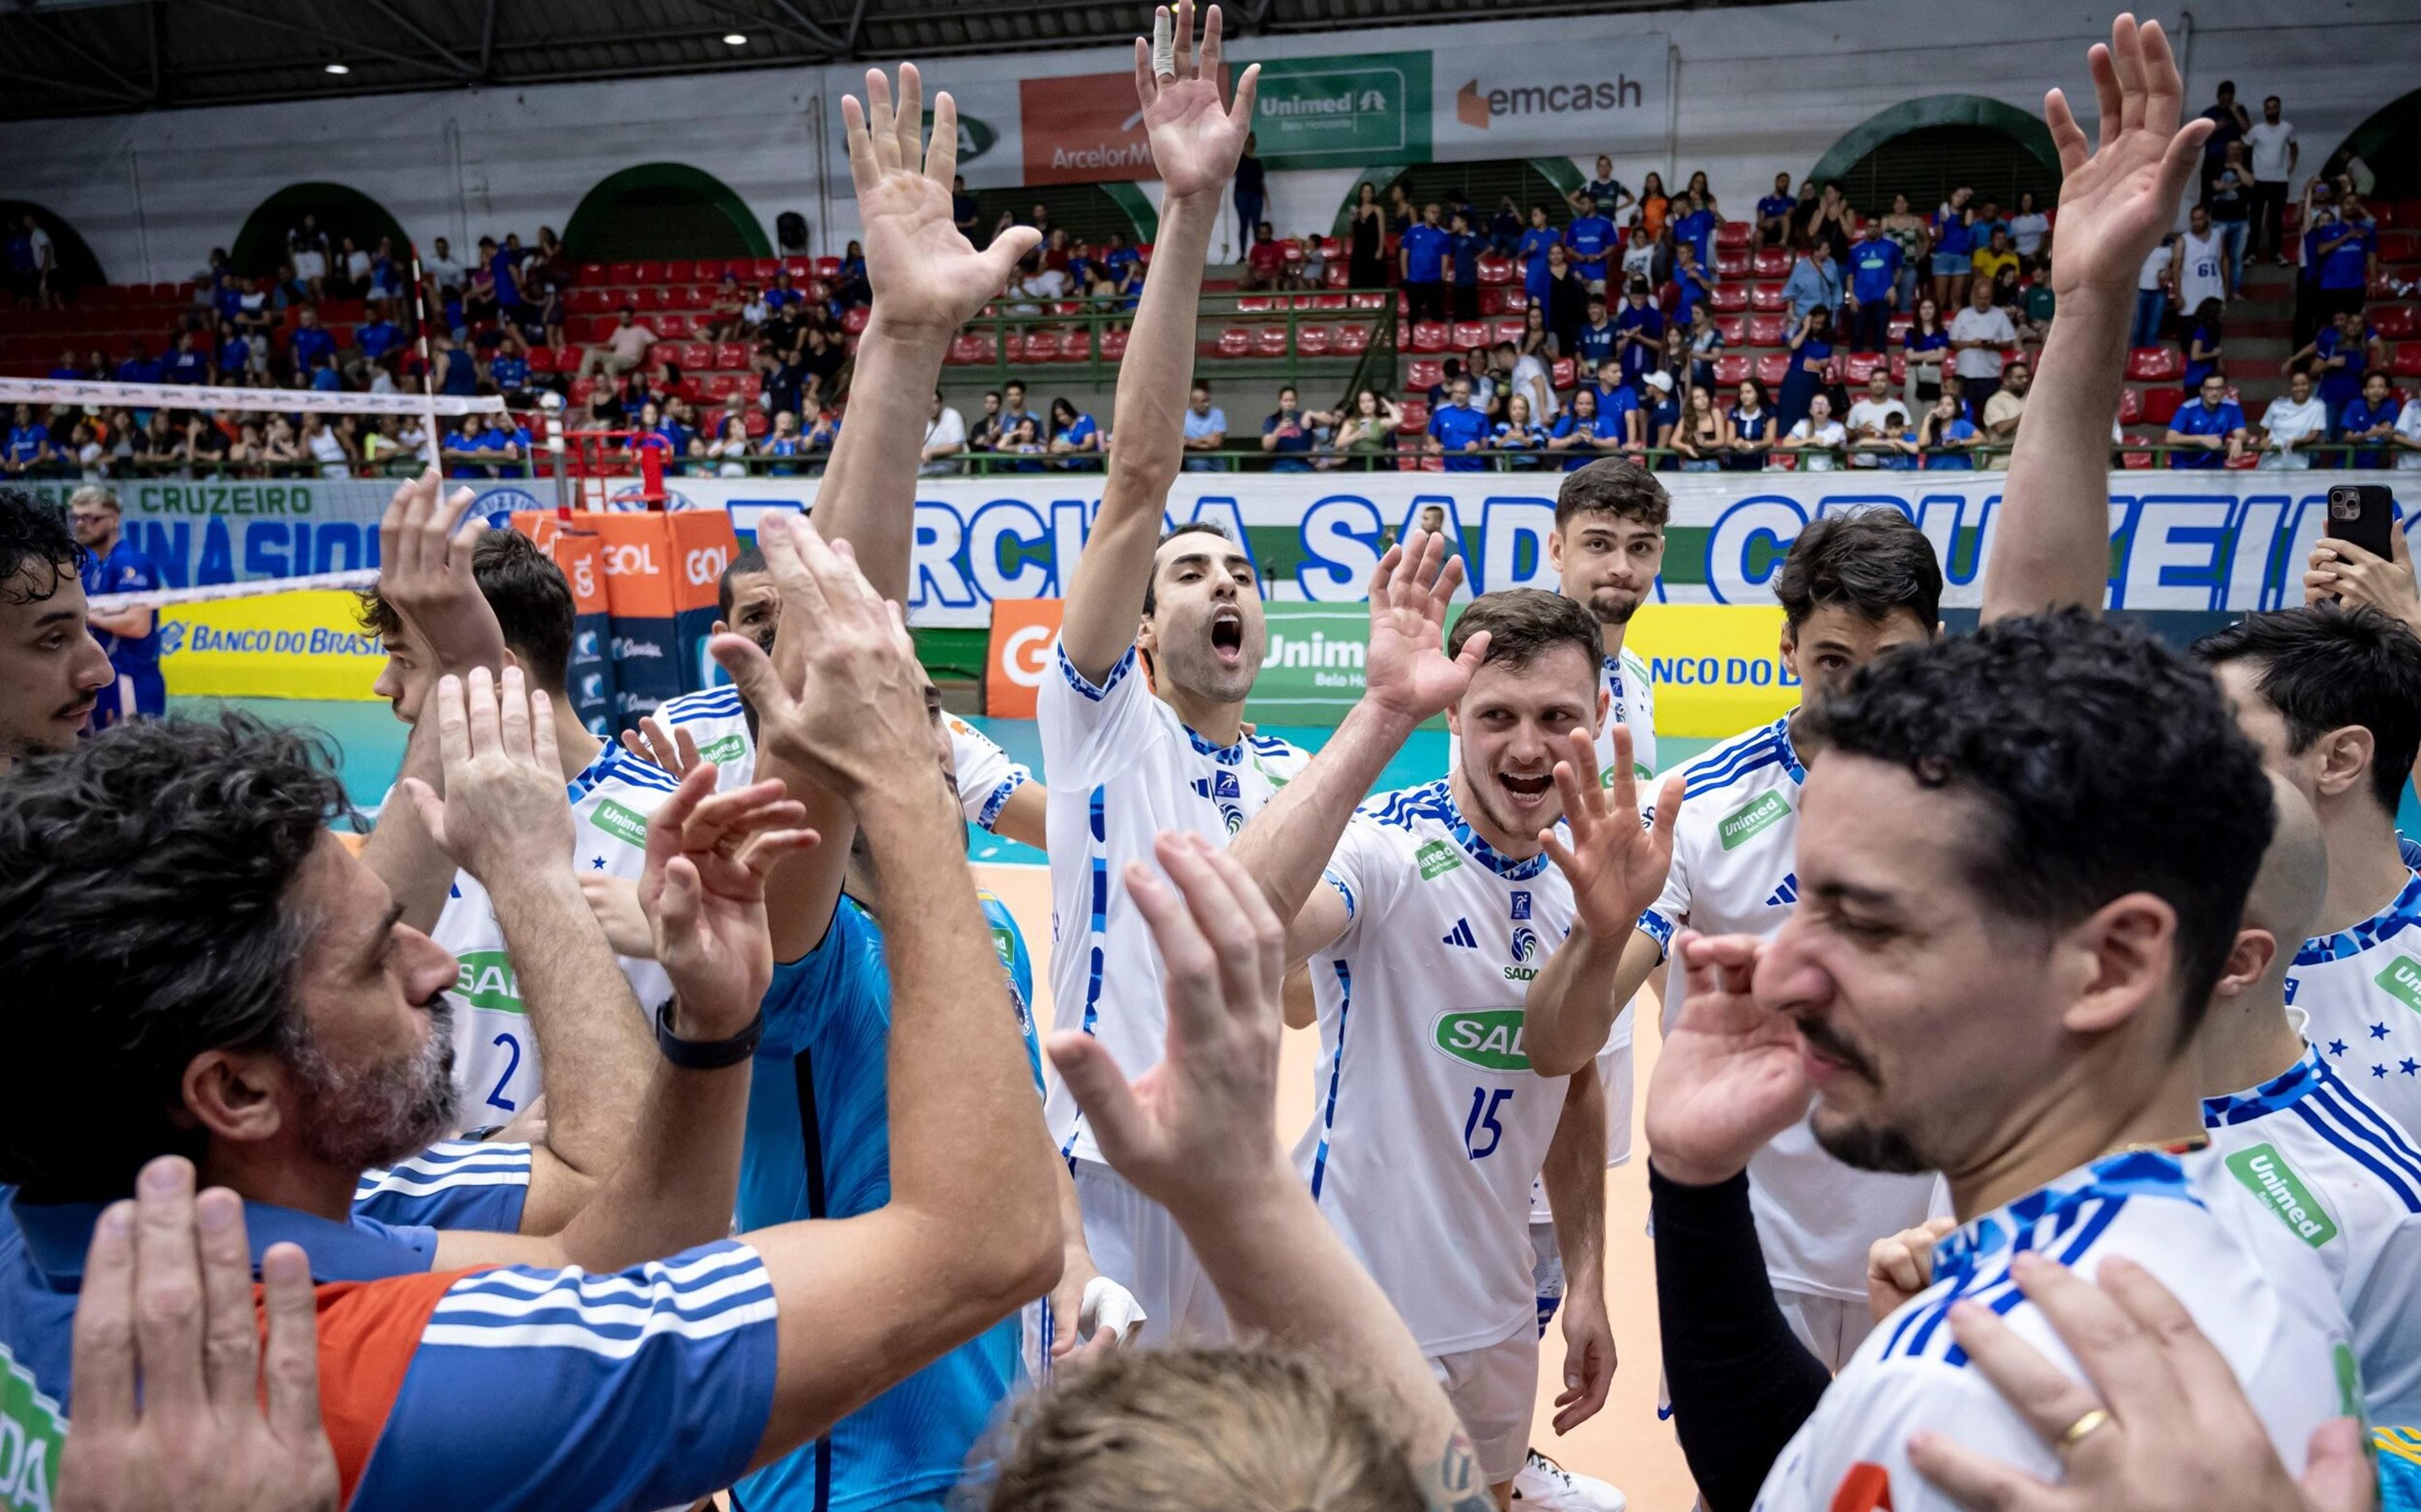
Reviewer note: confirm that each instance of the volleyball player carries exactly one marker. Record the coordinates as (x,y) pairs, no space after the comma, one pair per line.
(1133,750)
(1421,914)
(51,668)
(131,636)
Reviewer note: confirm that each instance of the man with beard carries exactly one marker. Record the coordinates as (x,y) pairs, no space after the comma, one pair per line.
(52,669)
(1133,749)
(1435,900)
(131,636)
(1852,588)
(265,1012)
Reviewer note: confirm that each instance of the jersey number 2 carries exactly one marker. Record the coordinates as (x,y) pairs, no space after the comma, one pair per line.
(1484,1103)
(496,1098)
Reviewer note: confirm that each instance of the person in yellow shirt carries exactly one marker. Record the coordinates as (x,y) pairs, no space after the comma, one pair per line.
(1990,260)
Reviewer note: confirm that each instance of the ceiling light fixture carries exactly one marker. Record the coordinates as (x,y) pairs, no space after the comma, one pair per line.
(338,68)
(735,40)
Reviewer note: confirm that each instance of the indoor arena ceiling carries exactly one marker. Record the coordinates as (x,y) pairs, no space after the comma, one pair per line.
(84,57)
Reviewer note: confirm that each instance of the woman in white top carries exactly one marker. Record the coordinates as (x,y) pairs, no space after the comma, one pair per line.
(2294,420)
(2028,228)
(1816,435)
(729,451)
(2407,437)
(326,447)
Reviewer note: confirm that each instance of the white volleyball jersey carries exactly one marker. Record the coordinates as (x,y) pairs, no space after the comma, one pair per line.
(1428,1125)
(717,721)
(1122,767)
(2360,992)
(2286,1346)
(1734,855)
(496,1068)
(2344,1179)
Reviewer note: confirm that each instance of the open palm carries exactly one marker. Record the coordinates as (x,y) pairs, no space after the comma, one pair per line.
(1195,139)
(1728,1077)
(923,273)
(2117,201)
(1615,864)
(1405,668)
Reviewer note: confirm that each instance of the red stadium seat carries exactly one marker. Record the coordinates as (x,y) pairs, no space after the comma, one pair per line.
(754,424)
(1731,264)
(1254,304)
(763,269)
(731,356)
(2156,364)
(972,347)
(706,270)
(1425,373)
(1857,366)
(590,301)
(2136,462)
(1495,269)
(1336,275)
(651,300)
(1368,299)
(1491,301)
(1350,341)
(825,268)
(2399,246)
(680,270)
(2397,321)
(2408,360)
(1772,368)
(646,272)
(1235,341)
(696,356)
(1770,262)
(1270,341)
(1329,302)
(1290,248)
(672,327)
(2387,284)
(716,387)
(1113,343)
(1899,368)
(1416,417)
(1428,335)
(853,319)
(1898,326)
(581,389)
(2130,406)
(1785,461)
(1470,334)
(2161,405)
(1731,367)
(593,272)
(1766,297)
(1332,247)
(1075,345)
(1313,340)
(663,351)
(541,359)
(1041,346)
(1516,299)
(1734,234)
(1564,373)
(1732,328)
(1510,328)
(1764,330)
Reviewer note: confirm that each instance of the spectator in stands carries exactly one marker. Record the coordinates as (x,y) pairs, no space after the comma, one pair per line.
(1978,333)
(2348,256)
(65,370)
(2229,122)
(440,268)
(1021,435)
(508,370)
(2029,231)
(1639,332)
(849,288)
(326,445)
(1774,214)
(2007,405)
(1697,225)
(186,362)
(963,210)
(2152,284)
(1464,250)
(1590,239)
(1530,252)
(984,435)
(945,436)
(1313,272)
(1705,339)
(1831,224)
(1693,285)
(1946,436)
(1605,191)
(28,448)
(1252,190)
(1640,256)
(1951,231)
(2337,356)
(1866,416)
(1618,420)
(2370,416)
(1206,427)
(2274,154)
(1366,244)
(1653,204)
(378,335)
(458,372)
(2203,356)
(1660,412)
(2207,431)
(1752,428)
(1075,438)
(1518,431)
(1567,303)
(1704,435)
(2408,436)
(1402,216)
(1575,434)
(1526,374)
(2292,423)
(1505,226)
(1995,262)
(2201,265)
(306,247)
(782,442)
(1423,251)
(1815,282)
(24,275)
(2230,200)
(1817,436)
(620,352)
(1265,261)
(1596,342)
(1874,287)
(137,367)
(1457,430)
(1369,428)
(1811,362)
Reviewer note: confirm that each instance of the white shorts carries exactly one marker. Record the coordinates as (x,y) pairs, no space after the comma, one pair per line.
(1494,1389)
(1831,1327)
(1137,1245)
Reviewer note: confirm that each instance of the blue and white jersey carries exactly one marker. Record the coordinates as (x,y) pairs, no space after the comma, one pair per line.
(717,720)
(1428,1125)
(2344,1179)
(124,570)
(496,1067)
(1122,767)
(2288,1347)
(2360,993)
(457,1183)
(1735,849)
(819,1146)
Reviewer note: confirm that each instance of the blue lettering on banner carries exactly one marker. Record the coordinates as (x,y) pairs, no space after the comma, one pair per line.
(1513,544)
(1340,550)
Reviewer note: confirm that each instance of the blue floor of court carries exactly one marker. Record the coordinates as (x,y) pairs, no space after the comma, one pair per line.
(368,743)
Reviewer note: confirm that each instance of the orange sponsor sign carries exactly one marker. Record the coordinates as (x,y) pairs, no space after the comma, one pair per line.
(702,546)
(576,549)
(1023,631)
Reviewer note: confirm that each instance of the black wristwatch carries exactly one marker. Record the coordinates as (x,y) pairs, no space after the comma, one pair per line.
(706,1055)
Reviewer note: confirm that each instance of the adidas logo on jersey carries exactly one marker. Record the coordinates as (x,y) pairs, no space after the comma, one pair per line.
(1460,935)
(1786,894)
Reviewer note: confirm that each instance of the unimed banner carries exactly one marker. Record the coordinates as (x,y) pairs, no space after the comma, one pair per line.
(2217,541)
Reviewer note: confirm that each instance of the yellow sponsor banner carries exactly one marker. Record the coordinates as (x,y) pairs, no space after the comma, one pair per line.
(303,644)
(1717,668)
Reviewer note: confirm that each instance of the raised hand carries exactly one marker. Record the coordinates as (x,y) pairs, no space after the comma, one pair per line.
(703,890)
(1406,670)
(172,1405)
(1195,1130)
(924,276)
(503,819)
(1730,1077)
(1615,863)
(1195,139)
(2117,200)
(676,752)
(2344,571)
(849,712)
(424,545)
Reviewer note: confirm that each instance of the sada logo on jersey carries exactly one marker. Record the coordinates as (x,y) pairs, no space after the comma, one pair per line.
(484,979)
(1526,942)
(1489,1039)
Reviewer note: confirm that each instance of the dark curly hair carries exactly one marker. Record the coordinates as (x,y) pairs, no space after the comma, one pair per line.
(1867,561)
(2323,667)
(2107,764)
(33,534)
(146,917)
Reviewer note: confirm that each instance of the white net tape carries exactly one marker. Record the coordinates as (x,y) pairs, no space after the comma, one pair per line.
(182,397)
(353,581)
